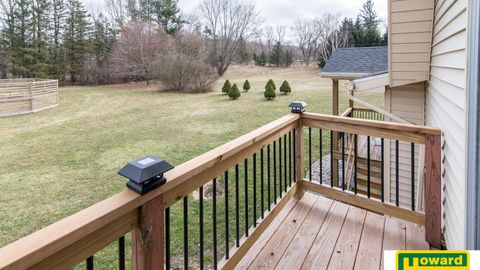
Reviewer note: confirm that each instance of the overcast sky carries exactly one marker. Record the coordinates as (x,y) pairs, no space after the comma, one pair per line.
(285,12)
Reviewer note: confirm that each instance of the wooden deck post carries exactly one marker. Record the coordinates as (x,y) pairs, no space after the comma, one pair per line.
(433,204)
(299,158)
(147,239)
(334,169)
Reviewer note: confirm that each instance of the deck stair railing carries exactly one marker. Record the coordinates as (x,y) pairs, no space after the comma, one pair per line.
(214,207)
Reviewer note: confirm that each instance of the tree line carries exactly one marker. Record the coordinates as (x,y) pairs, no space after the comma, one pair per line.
(60,39)
(317,39)
(150,39)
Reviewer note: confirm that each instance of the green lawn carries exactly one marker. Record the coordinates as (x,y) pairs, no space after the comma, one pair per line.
(57,162)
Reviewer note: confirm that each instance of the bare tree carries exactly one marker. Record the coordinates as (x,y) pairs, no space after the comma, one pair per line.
(281,31)
(117,10)
(139,49)
(306,38)
(227,22)
(269,39)
(186,70)
(329,35)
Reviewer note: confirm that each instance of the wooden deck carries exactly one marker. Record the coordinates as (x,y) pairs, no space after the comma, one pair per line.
(318,233)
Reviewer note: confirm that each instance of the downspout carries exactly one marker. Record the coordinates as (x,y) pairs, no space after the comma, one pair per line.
(473,125)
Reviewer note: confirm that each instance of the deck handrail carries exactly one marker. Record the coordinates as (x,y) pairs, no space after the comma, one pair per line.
(75,238)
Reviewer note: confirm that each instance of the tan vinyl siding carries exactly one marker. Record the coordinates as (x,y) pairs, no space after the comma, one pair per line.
(407,102)
(446,102)
(410,38)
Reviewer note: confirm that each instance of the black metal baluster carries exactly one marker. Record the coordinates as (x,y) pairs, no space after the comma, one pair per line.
(343,161)
(262,191)
(331,158)
(285,163)
(275,172)
(290,158)
(320,142)
(294,156)
(280,167)
(167,239)
(383,169)
(185,232)
(200,195)
(413,176)
(227,245)
(255,190)
(121,253)
(310,154)
(245,168)
(269,200)
(355,150)
(397,173)
(214,220)
(368,166)
(237,209)
(90,263)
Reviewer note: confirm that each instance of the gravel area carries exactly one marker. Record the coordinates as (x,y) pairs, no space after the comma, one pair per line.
(325,170)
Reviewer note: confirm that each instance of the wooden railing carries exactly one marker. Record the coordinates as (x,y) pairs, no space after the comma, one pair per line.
(261,185)
(364,113)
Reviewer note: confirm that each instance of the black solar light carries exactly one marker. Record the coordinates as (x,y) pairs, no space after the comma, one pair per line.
(145,174)
(298,106)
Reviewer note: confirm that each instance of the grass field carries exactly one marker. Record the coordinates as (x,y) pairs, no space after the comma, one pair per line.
(57,162)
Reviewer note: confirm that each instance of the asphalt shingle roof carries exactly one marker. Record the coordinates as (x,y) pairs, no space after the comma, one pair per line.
(358,60)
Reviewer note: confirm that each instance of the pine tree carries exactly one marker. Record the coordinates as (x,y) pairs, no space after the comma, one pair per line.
(256,59)
(226,87)
(272,83)
(358,33)
(275,57)
(57,49)
(78,29)
(103,37)
(243,56)
(269,92)
(22,53)
(370,22)
(40,67)
(288,58)
(164,12)
(346,32)
(285,88)
(263,59)
(246,86)
(234,93)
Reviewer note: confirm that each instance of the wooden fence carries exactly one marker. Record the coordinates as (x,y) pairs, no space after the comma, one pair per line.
(23,96)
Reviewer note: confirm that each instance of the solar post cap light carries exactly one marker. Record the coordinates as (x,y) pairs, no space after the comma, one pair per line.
(145,174)
(298,106)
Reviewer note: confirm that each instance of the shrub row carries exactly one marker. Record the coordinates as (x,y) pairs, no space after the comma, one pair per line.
(234,93)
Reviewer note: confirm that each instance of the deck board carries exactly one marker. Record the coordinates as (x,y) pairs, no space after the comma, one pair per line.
(349,240)
(321,251)
(265,237)
(333,235)
(274,249)
(297,250)
(369,252)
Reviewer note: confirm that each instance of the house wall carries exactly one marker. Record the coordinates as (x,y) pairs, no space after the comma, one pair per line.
(410,37)
(445,108)
(407,102)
